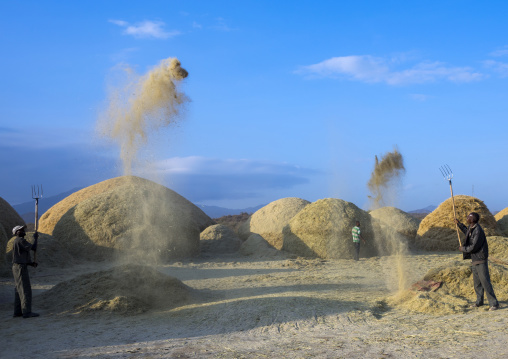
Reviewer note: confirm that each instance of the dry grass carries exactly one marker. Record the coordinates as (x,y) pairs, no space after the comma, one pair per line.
(502,221)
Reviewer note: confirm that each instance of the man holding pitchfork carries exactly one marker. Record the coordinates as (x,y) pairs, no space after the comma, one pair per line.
(476,248)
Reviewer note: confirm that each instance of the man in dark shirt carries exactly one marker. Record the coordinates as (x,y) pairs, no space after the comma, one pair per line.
(476,248)
(20,261)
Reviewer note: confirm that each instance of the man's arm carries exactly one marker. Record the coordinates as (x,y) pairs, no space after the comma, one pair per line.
(475,242)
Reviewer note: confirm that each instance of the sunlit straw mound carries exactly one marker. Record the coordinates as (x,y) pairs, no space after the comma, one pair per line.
(218,239)
(399,220)
(456,291)
(126,289)
(50,252)
(502,221)
(136,217)
(437,230)
(323,229)
(269,221)
(49,219)
(9,218)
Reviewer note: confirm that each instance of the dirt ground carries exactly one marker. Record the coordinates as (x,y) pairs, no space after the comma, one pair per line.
(259,308)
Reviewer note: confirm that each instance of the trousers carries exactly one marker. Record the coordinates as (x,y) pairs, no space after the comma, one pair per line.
(357,250)
(482,284)
(22,289)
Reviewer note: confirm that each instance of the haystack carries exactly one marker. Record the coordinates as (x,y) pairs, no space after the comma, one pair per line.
(498,248)
(502,221)
(437,230)
(323,229)
(50,252)
(257,246)
(49,219)
(269,221)
(218,239)
(9,218)
(126,289)
(397,219)
(456,291)
(5,267)
(135,216)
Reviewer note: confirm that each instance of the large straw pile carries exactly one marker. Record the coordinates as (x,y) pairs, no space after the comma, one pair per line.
(219,239)
(50,252)
(49,219)
(437,230)
(127,289)
(9,219)
(323,229)
(256,246)
(269,221)
(498,248)
(502,221)
(456,291)
(400,221)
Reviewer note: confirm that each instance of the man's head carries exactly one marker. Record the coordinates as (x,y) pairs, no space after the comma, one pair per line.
(473,218)
(357,223)
(19,231)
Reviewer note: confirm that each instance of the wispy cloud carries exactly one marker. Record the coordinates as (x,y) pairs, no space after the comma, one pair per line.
(419,97)
(201,179)
(500,68)
(220,24)
(372,69)
(146,29)
(503,51)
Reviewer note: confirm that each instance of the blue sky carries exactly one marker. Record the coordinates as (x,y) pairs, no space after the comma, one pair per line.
(288,98)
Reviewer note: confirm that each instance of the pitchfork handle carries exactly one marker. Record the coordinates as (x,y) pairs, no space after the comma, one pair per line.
(454,213)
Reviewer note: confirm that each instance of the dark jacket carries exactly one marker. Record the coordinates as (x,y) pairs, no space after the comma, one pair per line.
(475,246)
(21,251)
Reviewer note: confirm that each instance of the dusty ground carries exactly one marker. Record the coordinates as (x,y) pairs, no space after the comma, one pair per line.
(259,308)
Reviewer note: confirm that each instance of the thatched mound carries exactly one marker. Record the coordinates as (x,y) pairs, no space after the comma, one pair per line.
(323,229)
(437,230)
(456,291)
(49,219)
(5,267)
(9,218)
(50,252)
(400,221)
(502,221)
(269,221)
(218,239)
(127,289)
(257,246)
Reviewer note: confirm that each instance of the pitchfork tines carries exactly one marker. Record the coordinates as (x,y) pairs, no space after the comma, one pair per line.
(447,173)
(37,192)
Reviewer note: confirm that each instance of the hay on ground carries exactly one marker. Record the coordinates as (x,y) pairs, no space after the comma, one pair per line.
(437,230)
(126,289)
(502,221)
(219,239)
(323,229)
(456,291)
(269,221)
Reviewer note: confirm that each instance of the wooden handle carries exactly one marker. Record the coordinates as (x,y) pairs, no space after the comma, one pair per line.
(455,214)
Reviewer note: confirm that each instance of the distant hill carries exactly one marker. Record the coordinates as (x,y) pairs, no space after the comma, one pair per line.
(27,209)
(217,212)
(427,209)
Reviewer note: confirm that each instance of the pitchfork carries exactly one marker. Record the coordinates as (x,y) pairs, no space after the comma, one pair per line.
(37,193)
(447,173)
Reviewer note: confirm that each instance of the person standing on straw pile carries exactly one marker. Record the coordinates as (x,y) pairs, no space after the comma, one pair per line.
(20,261)
(476,248)
(356,240)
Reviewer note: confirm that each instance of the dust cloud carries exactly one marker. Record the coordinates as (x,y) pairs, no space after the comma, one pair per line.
(139,106)
(383,185)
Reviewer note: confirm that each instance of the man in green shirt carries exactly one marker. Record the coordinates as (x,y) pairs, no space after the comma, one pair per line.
(356,240)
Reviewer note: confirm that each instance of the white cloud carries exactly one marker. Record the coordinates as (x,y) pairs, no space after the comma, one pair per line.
(419,97)
(372,69)
(146,29)
(500,67)
(503,51)
(195,25)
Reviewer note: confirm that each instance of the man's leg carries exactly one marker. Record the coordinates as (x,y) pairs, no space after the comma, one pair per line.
(478,288)
(484,276)
(23,287)
(17,300)
(357,250)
